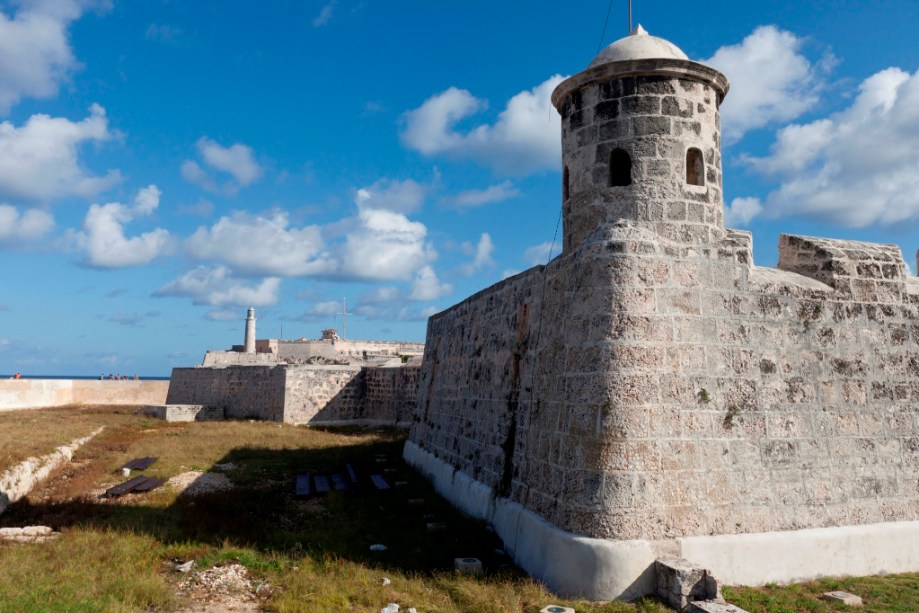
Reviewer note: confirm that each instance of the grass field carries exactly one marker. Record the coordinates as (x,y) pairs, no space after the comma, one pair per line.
(306,555)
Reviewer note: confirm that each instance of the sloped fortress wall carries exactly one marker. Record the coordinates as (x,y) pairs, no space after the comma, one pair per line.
(651,391)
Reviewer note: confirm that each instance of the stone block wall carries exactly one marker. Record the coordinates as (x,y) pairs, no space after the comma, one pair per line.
(244,392)
(314,394)
(300,394)
(641,389)
(390,394)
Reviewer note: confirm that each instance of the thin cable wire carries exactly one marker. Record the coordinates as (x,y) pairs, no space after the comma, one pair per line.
(609,10)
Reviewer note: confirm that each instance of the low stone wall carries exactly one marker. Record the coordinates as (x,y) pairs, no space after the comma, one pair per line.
(39,393)
(310,394)
(19,480)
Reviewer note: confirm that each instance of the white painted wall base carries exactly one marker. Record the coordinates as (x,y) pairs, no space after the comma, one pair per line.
(597,569)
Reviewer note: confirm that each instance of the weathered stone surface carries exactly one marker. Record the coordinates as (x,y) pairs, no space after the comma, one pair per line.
(680,582)
(713,606)
(293,394)
(652,382)
(843,598)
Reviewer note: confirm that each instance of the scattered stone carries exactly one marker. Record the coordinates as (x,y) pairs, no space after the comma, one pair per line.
(216,582)
(390,608)
(185,567)
(468,566)
(386,582)
(378,547)
(554,608)
(844,598)
(680,582)
(29,534)
(713,606)
(195,483)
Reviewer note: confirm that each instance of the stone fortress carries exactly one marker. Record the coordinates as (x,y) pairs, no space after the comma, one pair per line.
(321,381)
(652,393)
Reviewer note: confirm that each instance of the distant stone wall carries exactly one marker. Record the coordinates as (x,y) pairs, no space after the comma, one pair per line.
(300,394)
(321,393)
(302,350)
(243,392)
(660,391)
(39,393)
(237,358)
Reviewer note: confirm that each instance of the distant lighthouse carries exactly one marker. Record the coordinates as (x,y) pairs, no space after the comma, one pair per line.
(250,331)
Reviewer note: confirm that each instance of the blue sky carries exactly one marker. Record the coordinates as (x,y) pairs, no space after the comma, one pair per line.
(163,165)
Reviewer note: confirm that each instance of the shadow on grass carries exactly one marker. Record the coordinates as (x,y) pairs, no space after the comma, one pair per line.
(262,513)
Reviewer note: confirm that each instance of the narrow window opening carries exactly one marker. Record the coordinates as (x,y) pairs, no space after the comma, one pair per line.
(695,167)
(565,191)
(620,168)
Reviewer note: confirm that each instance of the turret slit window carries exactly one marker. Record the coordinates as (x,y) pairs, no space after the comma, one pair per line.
(695,167)
(565,183)
(620,168)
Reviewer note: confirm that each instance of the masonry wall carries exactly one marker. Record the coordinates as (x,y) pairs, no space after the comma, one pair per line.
(300,394)
(391,393)
(38,393)
(677,390)
(244,392)
(321,393)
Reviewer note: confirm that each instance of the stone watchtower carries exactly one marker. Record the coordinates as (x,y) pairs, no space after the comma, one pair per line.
(641,140)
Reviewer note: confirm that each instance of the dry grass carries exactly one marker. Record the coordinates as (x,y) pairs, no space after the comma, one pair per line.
(39,432)
(121,556)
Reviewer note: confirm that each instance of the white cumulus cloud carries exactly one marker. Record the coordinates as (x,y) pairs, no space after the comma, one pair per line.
(771,80)
(39,161)
(387,194)
(384,246)
(524,138)
(103,240)
(741,211)
(216,286)
(481,253)
(262,245)
(20,228)
(856,167)
(539,254)
(237,160)
(35,53)
(478,197)
(428,287)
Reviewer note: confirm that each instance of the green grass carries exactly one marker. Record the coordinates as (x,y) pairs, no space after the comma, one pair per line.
(315,553)
(880,594)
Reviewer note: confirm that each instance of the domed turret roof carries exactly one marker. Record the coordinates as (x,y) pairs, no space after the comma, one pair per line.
(639,45)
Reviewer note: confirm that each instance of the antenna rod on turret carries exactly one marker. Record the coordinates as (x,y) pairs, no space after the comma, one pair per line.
(630,16)
(344,317)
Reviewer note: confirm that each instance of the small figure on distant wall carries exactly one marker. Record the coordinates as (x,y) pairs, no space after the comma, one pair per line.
(17,376)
